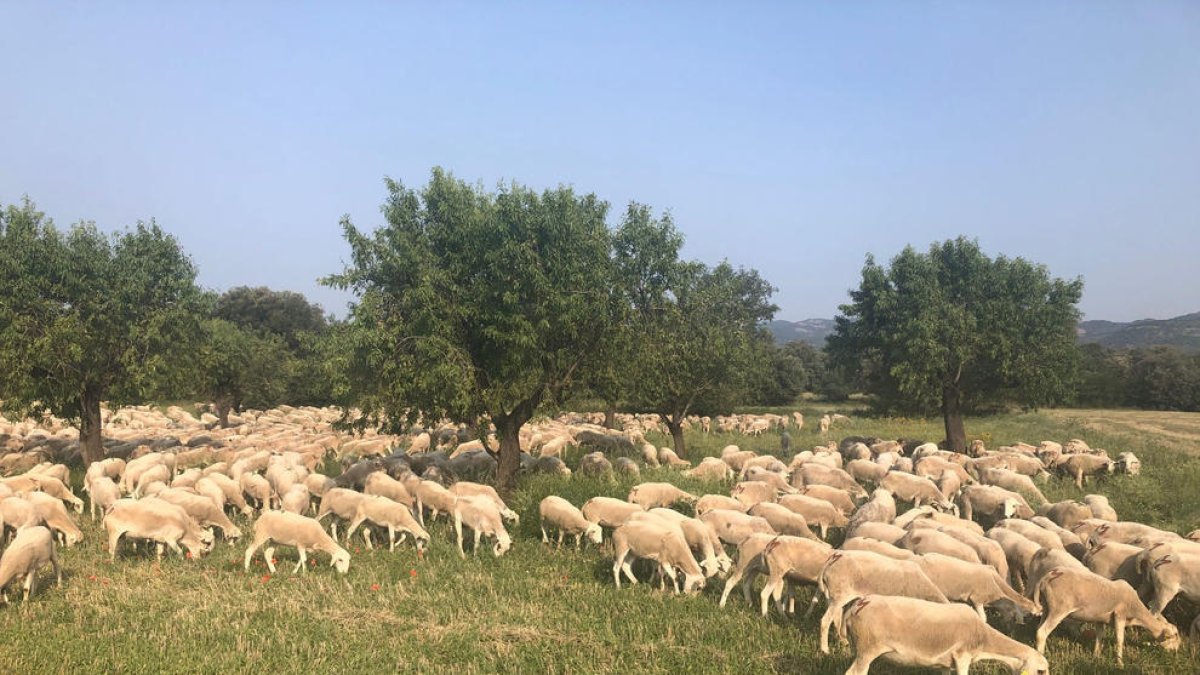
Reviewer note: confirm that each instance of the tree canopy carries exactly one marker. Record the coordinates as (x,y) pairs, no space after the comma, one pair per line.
(473,304)
(286,314)
(956,329)
(239,367)
(86,317)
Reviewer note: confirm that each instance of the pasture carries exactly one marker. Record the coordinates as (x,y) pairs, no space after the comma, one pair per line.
(534,610)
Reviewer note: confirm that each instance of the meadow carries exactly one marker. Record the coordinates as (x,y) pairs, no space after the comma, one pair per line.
(534,610)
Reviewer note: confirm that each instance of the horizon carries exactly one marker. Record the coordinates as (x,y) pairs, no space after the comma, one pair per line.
(793,140)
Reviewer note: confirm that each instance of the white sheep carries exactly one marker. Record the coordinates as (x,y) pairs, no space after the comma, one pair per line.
(467,489)
(102,494)
(708,503)
(483,517)
(29,551)
(290,529)
(342,504)
(816,512)
(157,520)
(662,542)
(733,527)
(651,495)
(296,500)
(396,517)
(791,559)
(562,515)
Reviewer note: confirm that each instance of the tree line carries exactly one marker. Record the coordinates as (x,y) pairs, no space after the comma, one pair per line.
(489,306)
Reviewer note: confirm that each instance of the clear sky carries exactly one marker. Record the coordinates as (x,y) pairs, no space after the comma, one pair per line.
(790,137)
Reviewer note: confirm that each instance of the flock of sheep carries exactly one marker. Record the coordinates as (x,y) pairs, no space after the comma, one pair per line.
(910,586)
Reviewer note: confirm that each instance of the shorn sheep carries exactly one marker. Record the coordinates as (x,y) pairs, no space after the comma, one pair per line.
(290,529)
(32,549)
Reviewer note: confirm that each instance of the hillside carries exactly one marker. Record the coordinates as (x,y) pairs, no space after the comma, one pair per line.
(812,331)
(1181,331)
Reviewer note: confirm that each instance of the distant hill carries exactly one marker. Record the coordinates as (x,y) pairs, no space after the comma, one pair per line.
(1182,331)
(812,331)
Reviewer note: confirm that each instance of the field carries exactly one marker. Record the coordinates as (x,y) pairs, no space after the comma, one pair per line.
(535,610)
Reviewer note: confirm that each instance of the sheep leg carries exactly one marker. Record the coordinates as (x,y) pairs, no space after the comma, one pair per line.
(1119,625)
(391,539)
(57,567)
(113,538)
(1053,618)
(617,563)
(250,552)
(558,547)
(366,535)
(269,554)
(30,582)
(353,526)
(578,541)
(729,584)
(458,534)
(827,619)
(980,611)
(478,535)
(174,547)
(303,559)
(863,660)
(158,550)
(962,665)
(545,538)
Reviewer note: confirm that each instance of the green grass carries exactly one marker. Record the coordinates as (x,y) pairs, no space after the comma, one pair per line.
(535,610)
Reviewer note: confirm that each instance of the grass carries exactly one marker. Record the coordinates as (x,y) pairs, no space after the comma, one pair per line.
(535,610)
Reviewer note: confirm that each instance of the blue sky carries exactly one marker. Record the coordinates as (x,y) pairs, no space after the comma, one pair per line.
(790,137)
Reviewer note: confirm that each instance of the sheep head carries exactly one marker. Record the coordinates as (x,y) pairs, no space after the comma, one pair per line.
(340,560)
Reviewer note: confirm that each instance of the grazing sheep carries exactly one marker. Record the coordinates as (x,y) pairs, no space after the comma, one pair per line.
(626,466)
(342,504)
(1070,541)
(733,527)
(319,484)
(56,488)
(758,474)
(661,542)
(1113,561)
(881,508)
(840,499)
(877,546)
(816,512)
(159,473)
(1082,466)
(232,489)
(866,471)
(1018,552)
(914,632)
(710,502)
(396,517)
(1033,532)
(102,494)
(649,454)
(552,466)
(429,494)
(467,489)
(650,495)
(595,464)
(483,517)
(383,485)
(608,511)
(202,510)
(296,500)
(783,520)
(915,489)
(701,538)
(1172,570)
(1011,480)
(290,529)
(990,504)
(563,516)
(1095,532)
(750,563)
(848,575)
(1128,463)
(924,541)
(257,488)
(1066,514)
(32,549)
(51,512)
(884,532)
(817,474)
(797,560)
(1100,508)
(1043,562)
(972,583)
(1079,594)
(157,520)
(667,457)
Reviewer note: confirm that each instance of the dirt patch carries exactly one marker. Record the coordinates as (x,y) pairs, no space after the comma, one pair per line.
(1178,429)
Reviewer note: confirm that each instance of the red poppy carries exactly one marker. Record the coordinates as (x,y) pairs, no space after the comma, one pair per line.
(266,578)
(374,587)
(412,573)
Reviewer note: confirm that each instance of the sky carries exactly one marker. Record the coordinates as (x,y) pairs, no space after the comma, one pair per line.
(791,137)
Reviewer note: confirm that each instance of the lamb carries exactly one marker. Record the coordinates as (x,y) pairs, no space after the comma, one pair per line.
(467,489)
(839,498)
(880,509)
(202,510)
(1100,507)
(1084,596)
(1082,466)
(1011,480)
(924,541)
(783,520)
(910,632)
(563,516)
(1066,514)
(975,584)
(791,559)
(396,517)
(157,520)
(102,494)
(483,517)
(1128,463)
(290,529)
(753,492)
(661,542)
(848,575)
(51,512)
(650,495)
(340,502)
(1174,569)
(733,527)
(32,549)
(916,489)
(710,502)
(816,512)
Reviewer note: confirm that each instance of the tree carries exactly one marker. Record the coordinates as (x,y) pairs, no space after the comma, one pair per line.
(475,305)
(240,367)
(86,317)
(284,313)
(1103,376)
(955,328)
(1164,378)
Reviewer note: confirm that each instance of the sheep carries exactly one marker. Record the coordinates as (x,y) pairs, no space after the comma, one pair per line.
(1173,569)
(16,513)
(257,488)
(396,517)
(483,517)
(157,520)
(595,464)
(848,575)
(914,632)
(340,502)
(1096,531)
(468,489)
(56,488)
(1036,533)
(231,488)
(753,492)
(51,512)
(972,583)
(110,468)
(551,465)
(783,520)
(1043,562)
(1100,507)
(866,471)
(626,466)
(608,511)
(884,532)
(791,559)
(881,508)
(760,475)
(701,537)
(989,551)
(383,485)
(750,563)
(102,493)
(816,474)
(924,540)
(431,494)
(563,516)
(667,457)
(1113,560)
(290,529)
(1081,466)
(202,510)
(296,500)
(916,489)
(733,527)
(1011,480)
(710,502)
(159,473)
(1018,552)
(935,467)
(840,499)
(32,549)
(735,458)
(661,542)
(650,495)
(649,455)
(1066,514)
(816,512)
(1128,463)
(1070,541)
(989,504)
(1084,596)
(319,484)
(876,546)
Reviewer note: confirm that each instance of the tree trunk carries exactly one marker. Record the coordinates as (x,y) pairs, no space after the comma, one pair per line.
(956,435)
(676,428)
(610,416)
(223,412)
(508,464)
(91,445)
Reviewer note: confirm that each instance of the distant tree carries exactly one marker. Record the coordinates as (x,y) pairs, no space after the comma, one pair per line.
(86,317)
(284,313)
(956,328)
(781,375)
(475,305)
(1104,377)
(1164,378)
(239,367)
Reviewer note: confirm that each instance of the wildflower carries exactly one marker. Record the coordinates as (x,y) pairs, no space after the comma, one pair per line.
(374,587)
(412,573)
(266,578)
